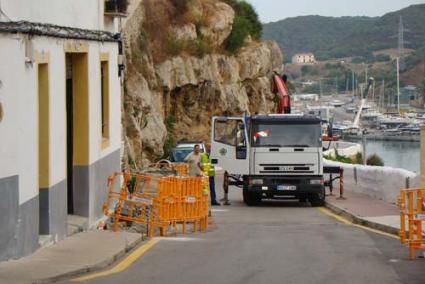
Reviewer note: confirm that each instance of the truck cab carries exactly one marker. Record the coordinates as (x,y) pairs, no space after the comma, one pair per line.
(274,156)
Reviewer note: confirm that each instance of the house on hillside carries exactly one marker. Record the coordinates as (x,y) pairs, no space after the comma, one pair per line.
(60,116)
(303,58)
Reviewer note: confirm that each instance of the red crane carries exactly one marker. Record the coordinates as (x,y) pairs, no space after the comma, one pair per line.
(281,89)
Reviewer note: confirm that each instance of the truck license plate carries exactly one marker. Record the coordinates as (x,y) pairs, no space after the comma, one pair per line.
(286,187)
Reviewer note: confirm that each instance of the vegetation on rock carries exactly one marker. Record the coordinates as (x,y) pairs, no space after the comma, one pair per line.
(372,160)
(246,23)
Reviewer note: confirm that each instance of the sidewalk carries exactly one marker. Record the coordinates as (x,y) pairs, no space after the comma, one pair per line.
(365,210)
(83,252)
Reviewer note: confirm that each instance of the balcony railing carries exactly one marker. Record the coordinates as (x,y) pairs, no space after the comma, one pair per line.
(117,8)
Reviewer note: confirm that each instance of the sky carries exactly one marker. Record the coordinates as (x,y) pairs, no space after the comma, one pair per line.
(274,10)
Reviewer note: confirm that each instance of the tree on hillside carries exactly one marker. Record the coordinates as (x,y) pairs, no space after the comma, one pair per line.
(329,37)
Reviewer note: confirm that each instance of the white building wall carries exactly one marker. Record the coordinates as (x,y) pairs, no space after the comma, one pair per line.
(19,127)
(18,143)
(96,150)
(85,14)
(57,115)
(19,98)
(114,102)
(9,163)
(302,58)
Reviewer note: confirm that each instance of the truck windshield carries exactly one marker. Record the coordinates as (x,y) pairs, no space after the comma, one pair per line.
(286,135)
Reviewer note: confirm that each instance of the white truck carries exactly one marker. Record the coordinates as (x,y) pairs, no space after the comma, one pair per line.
(272,156)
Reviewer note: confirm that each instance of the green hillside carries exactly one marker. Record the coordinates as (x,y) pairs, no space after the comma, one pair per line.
(329,37)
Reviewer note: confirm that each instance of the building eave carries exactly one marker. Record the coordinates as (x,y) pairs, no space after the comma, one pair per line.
(50,30)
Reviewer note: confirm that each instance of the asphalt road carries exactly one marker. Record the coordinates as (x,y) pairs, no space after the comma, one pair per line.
(278,242)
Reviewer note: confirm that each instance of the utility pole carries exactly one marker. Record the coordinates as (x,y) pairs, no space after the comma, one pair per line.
(373,91)
(353,83)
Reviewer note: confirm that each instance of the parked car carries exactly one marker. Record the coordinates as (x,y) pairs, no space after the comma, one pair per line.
(191,144)
(178,154)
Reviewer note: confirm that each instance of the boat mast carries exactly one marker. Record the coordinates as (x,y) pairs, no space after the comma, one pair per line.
(383,95)
(400,59)
(398,85)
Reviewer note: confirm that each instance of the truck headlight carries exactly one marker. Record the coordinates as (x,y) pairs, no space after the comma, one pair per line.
(256,181)
(316,181)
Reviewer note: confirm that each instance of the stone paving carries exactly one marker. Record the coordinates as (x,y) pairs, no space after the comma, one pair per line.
(77,254)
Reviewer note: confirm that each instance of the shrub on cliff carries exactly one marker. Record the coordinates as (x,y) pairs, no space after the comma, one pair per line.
(358,159)
(246,23)
(375,160)
(237,37)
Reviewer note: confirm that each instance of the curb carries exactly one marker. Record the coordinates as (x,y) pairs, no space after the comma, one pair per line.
(360,221)
(93,268)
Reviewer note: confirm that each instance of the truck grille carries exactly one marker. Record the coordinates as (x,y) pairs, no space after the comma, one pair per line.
(286,168)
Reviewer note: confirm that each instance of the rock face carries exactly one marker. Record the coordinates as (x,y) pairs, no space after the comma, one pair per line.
(190,89)
(218,23)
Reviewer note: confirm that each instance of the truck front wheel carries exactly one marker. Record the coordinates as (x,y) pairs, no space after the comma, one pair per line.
(318,199)
(251,198)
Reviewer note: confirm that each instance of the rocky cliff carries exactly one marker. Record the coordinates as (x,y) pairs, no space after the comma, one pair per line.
(178,74)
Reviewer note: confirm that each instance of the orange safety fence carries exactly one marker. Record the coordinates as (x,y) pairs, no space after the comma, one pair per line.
(157,201)
(412,214)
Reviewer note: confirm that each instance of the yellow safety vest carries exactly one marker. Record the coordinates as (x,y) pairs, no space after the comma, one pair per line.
(207,167)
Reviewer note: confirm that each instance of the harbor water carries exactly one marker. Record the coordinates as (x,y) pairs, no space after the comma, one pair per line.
(397,154)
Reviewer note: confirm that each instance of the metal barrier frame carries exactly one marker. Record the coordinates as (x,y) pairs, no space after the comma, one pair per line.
(158,202)
(412,208)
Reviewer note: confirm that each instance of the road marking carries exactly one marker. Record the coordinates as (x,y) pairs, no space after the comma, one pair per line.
(123,265)
(339,218)
(347,222)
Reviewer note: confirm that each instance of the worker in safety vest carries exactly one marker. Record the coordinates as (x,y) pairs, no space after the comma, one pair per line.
(209,170)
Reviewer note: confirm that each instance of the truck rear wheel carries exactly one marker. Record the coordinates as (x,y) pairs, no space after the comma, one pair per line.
(317,199)
(251,198)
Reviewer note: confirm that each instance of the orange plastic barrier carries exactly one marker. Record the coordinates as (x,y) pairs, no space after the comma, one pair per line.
(412,209)
(157,202)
